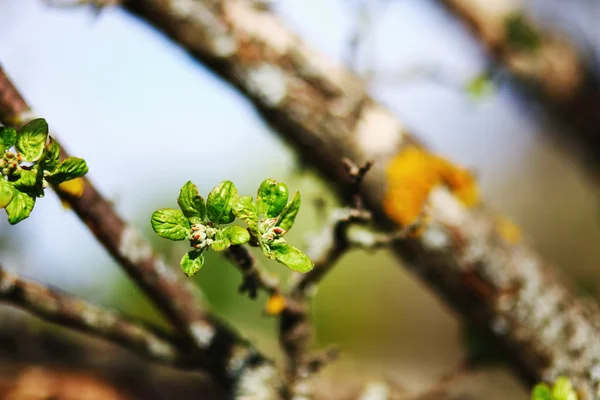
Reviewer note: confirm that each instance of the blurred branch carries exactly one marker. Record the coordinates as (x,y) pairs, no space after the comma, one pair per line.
(324,110)
(77,314)
(546,64)
(26,346)
(234,362)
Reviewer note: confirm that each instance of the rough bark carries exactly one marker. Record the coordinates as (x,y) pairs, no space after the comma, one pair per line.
(555,73)
(231,360)
(75,313)
(324,110)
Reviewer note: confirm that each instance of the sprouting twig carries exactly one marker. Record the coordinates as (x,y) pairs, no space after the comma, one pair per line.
(173,295)
(60,308)
(233,361)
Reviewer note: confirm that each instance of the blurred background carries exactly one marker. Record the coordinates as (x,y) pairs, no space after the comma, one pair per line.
(147,118)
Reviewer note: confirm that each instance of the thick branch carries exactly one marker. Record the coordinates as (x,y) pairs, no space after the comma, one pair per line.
(231,360)
(323,109)
(75,313)
(558,75)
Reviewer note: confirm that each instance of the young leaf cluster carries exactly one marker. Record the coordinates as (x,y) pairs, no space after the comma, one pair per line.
(269,217)
(207,224)
(561,390)
(29,162)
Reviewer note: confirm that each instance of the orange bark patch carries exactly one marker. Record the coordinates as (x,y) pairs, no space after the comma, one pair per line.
(411,176)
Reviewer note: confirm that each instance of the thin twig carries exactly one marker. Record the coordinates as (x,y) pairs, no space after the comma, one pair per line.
(75,313)
(254,277)
(295,330)
(335,239)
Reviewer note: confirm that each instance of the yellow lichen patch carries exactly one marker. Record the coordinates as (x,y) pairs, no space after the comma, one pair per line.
(508,231)
(461,182)
(411,176)
(73,188)
(275,304)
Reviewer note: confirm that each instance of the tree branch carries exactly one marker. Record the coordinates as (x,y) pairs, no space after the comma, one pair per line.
(324,110)
(232,361)
(62,309)
(553,72)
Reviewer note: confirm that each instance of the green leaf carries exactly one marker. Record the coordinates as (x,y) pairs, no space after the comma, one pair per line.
(520,34)
(236,234)
(170,224)
(541,391)
(6,192)
(27,179)
(563,389)
(50,160)
(19,207)
(68,169)
(220,244)
(191,203)
(245,210)
(191,263)
(8,136)
(271,198)
(31,140)
(220,203)
(291,257)
(288,215)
